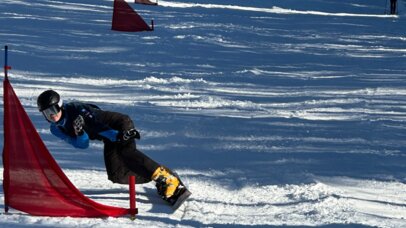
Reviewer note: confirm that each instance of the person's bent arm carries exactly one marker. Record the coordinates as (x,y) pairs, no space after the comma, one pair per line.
(80,141)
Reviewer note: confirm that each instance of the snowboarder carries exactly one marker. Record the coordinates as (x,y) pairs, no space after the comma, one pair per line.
(393,6)
(77,123)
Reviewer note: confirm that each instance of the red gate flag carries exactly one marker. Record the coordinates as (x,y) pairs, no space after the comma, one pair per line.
(126,19)
(33,182)
(146,2)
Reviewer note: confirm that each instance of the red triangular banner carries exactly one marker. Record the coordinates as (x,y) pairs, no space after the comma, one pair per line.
(146,2)
(33,182)
(126,19)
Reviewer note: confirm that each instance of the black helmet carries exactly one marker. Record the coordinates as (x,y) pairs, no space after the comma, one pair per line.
(47,99)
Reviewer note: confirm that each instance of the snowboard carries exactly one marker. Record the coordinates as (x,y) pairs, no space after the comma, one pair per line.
(179,198)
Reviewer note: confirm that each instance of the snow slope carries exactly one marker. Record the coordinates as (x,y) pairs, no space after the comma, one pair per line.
(273,112)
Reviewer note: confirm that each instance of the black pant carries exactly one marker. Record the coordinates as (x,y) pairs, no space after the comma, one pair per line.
(393,6)
(123,159)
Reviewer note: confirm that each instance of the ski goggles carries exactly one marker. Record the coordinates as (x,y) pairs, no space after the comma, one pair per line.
(53,110)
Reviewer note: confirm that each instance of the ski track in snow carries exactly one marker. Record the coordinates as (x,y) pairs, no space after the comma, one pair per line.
(198,96)
(273,10)
(274,113)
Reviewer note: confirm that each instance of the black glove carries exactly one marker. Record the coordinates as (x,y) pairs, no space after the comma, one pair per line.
(128,134)
(78,124)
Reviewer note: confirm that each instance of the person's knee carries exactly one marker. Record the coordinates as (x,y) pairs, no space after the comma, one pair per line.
(123,179)
(119,179)
(128,122)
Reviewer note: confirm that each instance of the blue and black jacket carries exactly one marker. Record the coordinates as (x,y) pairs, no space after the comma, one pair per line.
(122,159)
(97,124)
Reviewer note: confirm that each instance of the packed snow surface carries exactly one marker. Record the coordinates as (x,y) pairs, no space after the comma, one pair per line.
(273,112)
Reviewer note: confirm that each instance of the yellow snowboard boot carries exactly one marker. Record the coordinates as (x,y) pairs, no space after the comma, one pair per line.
(166,182)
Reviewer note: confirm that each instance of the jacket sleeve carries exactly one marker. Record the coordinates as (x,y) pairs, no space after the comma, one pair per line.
(110,134)
(80,141)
